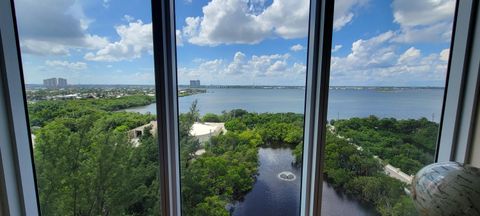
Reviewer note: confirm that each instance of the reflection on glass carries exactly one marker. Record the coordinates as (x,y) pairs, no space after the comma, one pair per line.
(84,62)
(241,102)
(388,68)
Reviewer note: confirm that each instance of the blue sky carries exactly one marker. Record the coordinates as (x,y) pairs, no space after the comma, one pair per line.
(244,42)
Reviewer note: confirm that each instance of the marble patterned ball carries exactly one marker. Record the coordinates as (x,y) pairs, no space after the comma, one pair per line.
(447,188)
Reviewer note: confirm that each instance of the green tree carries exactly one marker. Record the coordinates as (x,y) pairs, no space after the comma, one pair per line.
(213,206)
(210,117)
(404,207)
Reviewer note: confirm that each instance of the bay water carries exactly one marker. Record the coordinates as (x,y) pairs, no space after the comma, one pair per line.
(343,103)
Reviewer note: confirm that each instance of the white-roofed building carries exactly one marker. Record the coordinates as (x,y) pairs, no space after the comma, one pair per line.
(203,131)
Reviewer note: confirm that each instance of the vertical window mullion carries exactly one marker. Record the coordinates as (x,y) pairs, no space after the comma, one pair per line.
(471,88)
(166,100)
(15,148)
(459,102)
(318,75)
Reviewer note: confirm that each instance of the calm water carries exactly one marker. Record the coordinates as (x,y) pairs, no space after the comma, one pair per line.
(402,104)
(272,196)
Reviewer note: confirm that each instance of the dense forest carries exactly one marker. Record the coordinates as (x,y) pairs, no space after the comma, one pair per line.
(406,144)
(41,94)
(86,165)
(359,174)
(43,112)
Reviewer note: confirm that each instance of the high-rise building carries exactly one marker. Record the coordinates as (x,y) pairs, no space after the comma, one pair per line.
(50,83)
(55,83)
(194,83)
(62,83)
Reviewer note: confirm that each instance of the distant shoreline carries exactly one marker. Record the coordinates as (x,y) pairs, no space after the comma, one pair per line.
(35,86)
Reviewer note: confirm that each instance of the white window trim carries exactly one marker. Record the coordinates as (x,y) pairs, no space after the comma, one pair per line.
(461,94)
(17,179)
(17,174)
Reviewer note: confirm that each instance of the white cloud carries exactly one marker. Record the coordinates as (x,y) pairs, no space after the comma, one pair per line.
(225,21)
(267,65)
(135,39)
(213,66)
(250,22)
(424,21)
(43,48)
(204,69)
(179,37)
(436,33)
(299,68)
(66,65)
(296,48)
(243,69)
(371,52)
(58,24)
(128,18)
(415,13)
(95,41)
(444,55)
(344,12)
(409,56)
(336,48)
(191,29)
(237,65)
(287,18)
(378,61)
(106,3)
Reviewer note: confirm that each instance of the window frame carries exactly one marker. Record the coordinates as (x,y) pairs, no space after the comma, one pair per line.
(17,175)
(461,85)
(164,53)
(316,104)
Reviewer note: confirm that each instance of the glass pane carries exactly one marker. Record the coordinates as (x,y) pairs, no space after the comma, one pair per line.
(241,80)
(86,65)
(388,70)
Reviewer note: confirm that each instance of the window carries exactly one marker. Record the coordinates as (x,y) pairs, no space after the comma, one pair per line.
(87,67)
(112,154)
(241,105)
(387,83)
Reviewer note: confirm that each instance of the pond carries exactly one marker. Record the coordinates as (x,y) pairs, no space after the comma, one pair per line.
(277,190)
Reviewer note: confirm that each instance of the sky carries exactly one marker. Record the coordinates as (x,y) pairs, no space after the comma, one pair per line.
(236,42)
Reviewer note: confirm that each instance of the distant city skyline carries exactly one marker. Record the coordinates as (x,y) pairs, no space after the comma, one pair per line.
(55,82)
(375,43)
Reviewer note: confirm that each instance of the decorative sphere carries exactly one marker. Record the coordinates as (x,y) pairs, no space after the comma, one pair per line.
(447,188)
